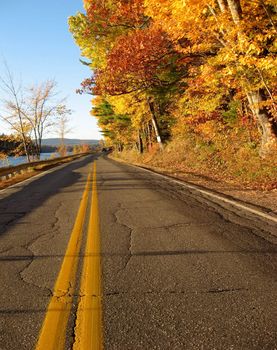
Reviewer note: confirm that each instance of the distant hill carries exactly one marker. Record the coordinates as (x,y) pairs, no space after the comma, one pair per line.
(55,142)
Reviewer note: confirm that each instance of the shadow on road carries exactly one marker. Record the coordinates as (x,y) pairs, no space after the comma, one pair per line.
(28,197)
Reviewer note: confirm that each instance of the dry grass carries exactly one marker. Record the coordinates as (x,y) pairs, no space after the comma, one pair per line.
(235,162)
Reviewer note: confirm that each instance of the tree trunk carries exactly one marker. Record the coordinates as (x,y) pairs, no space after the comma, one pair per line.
(120,147)
(149,133)
(24,140)
(36,144)
(39,148)
(222,5)
(25,148)
(155,124)
(140,143)
(157,132)
(256,97)
(40,133)
(268,129)
(235,9)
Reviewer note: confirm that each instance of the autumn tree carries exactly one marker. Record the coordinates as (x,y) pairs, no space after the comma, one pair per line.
(30,111)
(180,61)
(115,127)
(62,125)
(40,110)
(235,40)
(101,27)
(12,111)
(142,63)
(104,21)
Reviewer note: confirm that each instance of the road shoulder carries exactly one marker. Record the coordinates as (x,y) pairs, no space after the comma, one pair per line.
(259,214)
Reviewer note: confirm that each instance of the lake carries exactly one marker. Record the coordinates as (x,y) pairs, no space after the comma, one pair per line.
(12,161)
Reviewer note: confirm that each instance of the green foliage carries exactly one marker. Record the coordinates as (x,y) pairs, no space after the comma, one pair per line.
(113,125)
(230,116)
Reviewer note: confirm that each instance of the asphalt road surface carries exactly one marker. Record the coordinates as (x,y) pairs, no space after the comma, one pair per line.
(113,256)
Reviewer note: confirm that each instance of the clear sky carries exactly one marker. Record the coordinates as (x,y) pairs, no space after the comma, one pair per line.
(36,43)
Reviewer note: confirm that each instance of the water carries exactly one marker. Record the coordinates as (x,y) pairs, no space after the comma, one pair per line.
(12,161)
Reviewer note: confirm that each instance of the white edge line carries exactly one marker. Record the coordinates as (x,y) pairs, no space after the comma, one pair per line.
(210,194)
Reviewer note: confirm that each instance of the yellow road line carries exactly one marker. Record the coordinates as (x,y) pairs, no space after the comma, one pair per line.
(53,332)
(88,330)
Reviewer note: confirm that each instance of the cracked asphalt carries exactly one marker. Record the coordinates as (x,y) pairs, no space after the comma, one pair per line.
(178,271)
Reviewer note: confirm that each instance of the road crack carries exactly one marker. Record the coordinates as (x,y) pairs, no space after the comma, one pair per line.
(129,255)
(226,290)
(54,230)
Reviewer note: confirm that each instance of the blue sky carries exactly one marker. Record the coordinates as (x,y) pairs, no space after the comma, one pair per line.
(36,43)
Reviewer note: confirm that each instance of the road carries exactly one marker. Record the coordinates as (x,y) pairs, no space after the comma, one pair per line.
(162,267)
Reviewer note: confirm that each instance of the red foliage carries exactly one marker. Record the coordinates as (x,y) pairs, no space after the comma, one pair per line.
(203,117)
(135,61)
(87,86)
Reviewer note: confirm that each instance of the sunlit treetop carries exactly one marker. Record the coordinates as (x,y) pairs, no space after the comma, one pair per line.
(96,31)
(110,13)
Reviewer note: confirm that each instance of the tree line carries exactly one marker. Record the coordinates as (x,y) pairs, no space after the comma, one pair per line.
(166,68)
(11,145)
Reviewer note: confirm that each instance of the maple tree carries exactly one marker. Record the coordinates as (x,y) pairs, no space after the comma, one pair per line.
(137,62)
(237,42)
(169,64)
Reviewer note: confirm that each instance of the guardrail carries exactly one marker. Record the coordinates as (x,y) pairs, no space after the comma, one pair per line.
(7,173)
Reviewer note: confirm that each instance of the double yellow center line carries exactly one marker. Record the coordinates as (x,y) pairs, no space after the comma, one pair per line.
(88,327)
